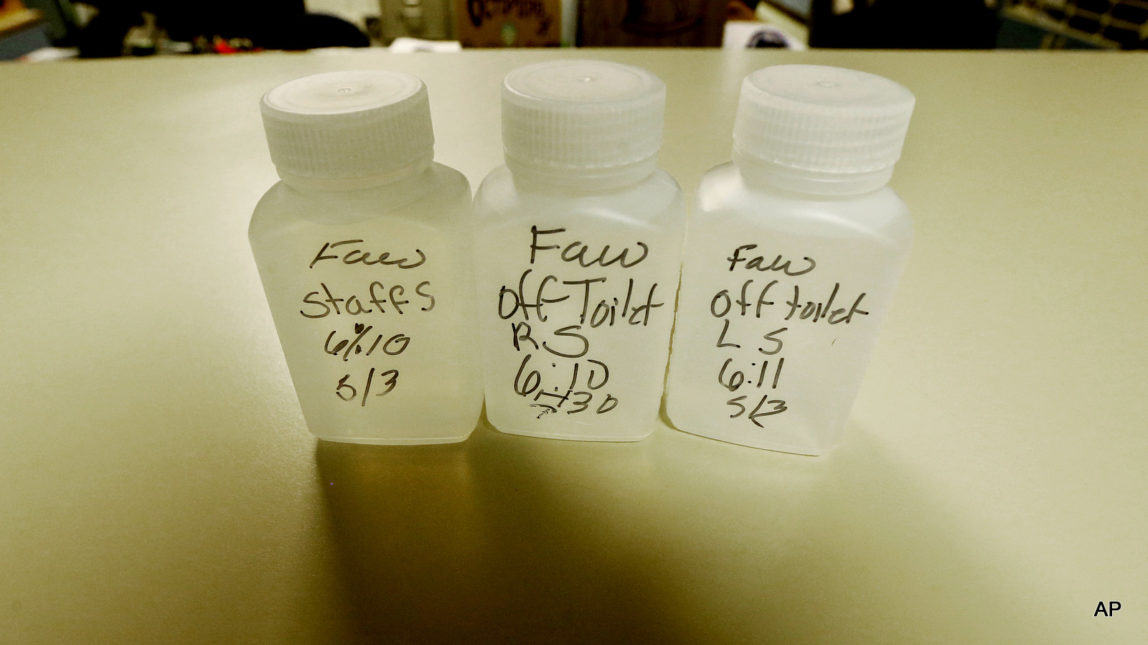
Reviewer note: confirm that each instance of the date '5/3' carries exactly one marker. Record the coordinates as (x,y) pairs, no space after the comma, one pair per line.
(764,407)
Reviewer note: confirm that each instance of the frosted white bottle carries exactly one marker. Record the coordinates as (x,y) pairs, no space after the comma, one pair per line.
(578,246)
(792,256)
(363,248)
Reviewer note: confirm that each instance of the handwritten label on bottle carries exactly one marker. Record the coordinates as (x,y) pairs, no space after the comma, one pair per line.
(774,297)
(362,318)
(559,312)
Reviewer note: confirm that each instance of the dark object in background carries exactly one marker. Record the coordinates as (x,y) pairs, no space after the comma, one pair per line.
(266,24)
(904,24)
(766,40)
(312,31)
(1073,24)
(651,23)
(103,36)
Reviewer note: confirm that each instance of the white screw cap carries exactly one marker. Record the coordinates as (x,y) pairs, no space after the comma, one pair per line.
(822,119)
(581,114)
(343,125)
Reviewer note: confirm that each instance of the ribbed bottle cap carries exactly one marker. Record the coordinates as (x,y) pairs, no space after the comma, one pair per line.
(580,114)
(343,125)
(822,119)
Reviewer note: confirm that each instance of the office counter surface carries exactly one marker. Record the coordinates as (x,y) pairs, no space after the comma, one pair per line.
(158,484)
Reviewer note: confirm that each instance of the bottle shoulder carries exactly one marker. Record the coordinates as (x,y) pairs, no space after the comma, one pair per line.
(435,196)
(501,196)
(725,199)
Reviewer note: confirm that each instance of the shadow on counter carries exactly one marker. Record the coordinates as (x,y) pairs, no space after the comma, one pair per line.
(675,539)
(470,542)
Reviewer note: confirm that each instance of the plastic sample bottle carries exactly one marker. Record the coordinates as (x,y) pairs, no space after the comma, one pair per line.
(792,255)
(578,243)
(363,248)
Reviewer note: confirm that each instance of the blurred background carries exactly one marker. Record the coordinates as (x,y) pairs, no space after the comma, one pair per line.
(40,30)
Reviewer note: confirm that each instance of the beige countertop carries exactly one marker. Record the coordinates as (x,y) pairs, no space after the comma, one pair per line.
(157,482)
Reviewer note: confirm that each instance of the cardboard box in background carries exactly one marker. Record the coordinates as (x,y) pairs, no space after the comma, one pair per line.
(509,23)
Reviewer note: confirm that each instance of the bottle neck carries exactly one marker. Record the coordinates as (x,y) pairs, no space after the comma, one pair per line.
(582,179)
(375,180)
(758,172)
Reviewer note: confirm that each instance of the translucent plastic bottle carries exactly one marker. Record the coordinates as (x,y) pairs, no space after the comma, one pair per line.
(363,248)
(792,256)
(578,246)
